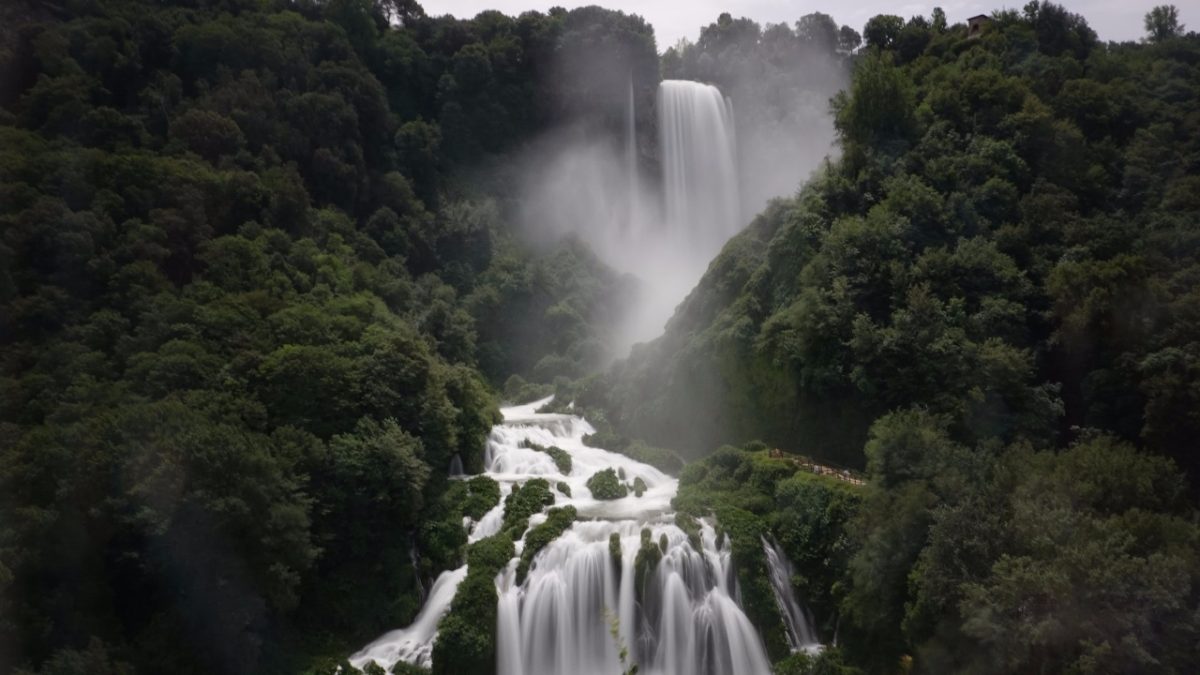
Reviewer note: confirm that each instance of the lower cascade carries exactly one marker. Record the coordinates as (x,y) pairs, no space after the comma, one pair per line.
(686,619)
(795,617)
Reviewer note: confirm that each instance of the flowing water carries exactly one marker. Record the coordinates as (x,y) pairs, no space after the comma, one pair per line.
(796,619)
(700,176)
(663,230)
(687,622)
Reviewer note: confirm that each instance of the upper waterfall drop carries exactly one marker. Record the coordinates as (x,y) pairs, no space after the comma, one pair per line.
(699,163)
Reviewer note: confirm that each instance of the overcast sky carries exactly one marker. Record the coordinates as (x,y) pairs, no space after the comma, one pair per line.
(674,19)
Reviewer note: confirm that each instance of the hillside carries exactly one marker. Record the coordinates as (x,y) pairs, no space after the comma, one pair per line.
(248,314)
(1008,239)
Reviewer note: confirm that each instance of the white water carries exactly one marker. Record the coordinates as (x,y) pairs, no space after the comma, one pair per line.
(796,619)
(688,621)
(663,232)
(700,177)
(415,643)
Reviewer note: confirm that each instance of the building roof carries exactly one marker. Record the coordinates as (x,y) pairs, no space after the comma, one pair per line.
(979,16)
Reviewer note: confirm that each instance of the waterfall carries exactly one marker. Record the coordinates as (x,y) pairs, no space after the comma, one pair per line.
(687,621)
(415,643)
(414,557)
(456,466)
(700,177)
(631,159)
(795,617)
(586,180)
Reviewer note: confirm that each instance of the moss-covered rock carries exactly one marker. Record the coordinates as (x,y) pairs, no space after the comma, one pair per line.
(491,554)
(524,501)
(483,494)
(606,484)
(648,556)
(466,642)
(557,522)
(750,564)
(563,488)
(690,527)
(639,487)
(562,458)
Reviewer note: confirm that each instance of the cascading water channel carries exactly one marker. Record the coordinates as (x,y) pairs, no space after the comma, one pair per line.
(685,622)
(801,636)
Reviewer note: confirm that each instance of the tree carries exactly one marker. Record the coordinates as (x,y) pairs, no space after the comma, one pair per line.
(819,30)
(848,39)
(1162,23)
(939,20)
(879,105)
(882,31)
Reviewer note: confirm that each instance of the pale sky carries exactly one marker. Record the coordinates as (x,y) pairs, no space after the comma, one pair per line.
(674,19)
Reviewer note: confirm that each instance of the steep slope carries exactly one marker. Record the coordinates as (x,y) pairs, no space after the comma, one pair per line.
(241,271)
(1007,240)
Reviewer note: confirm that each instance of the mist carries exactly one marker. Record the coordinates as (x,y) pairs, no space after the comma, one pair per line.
(648,189)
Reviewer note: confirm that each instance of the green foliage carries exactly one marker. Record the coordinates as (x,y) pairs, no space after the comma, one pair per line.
(563,488)
(517,391)
(639,486)
(1162,23)
(466,641)
(648,556)
(667,461)
(745,531)
(483,495)
(829,662)
(605,484)
(557,521)
(690,527)
(883,31)
(525,500)
(996,245)
(249,307)
(562,459)
(879,107)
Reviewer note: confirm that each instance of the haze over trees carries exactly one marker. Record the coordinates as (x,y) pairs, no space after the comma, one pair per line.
(249,314)
(261,286)
(988,304)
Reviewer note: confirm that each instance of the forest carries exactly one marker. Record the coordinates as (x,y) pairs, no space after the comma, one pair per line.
(263,283)
(988,303)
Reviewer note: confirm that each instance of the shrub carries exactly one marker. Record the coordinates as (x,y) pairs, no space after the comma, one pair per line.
(648,556)
(562,458)
(524,501)
(483,495)
(466,642)
(557,522)
(639,487)
(606,485)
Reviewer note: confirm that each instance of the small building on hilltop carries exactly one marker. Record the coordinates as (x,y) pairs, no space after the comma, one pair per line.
(976,25)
